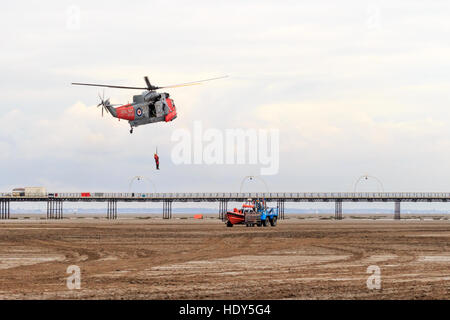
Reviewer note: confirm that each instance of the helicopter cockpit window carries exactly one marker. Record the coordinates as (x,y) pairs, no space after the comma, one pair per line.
(138,98)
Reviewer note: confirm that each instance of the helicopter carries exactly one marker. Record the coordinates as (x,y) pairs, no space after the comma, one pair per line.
(148,107)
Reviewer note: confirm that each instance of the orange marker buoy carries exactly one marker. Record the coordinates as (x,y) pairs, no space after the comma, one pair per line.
(198,216)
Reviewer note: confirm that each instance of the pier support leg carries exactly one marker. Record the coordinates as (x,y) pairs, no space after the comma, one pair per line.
(167,209)
(60,209)
(54,209)
(223,204)
(397,210)
(4,209)
(280,207)
(338,210)
(49,209)
(225,208)
(111,210)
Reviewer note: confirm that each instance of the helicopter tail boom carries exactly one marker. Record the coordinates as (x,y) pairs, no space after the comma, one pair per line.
(111,110)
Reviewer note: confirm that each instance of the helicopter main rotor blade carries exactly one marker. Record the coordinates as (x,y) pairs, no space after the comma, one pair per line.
(107,86)
(149,87)
(193,83)
(181,85)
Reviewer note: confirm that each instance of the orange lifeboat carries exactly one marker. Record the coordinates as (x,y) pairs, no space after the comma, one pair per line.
(236,216)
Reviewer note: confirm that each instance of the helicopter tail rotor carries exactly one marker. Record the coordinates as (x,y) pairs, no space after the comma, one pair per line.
(105,104)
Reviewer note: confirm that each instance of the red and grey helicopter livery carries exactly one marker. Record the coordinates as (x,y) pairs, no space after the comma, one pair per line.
(148,107)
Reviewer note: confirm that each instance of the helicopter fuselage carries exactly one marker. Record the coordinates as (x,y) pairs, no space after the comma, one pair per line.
(148,107)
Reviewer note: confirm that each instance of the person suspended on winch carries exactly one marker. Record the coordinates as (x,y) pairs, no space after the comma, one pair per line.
(156,159)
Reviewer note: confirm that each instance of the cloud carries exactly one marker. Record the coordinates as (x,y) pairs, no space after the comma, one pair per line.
(347,99)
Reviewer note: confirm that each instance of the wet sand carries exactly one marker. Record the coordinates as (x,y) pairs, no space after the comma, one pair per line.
(202,259)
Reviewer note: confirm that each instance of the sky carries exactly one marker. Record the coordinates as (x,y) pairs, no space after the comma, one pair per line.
(353,87)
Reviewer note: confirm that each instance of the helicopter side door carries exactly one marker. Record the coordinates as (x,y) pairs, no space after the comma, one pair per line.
(159,109)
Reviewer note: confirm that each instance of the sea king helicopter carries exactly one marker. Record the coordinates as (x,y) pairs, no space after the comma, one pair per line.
(148,107)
